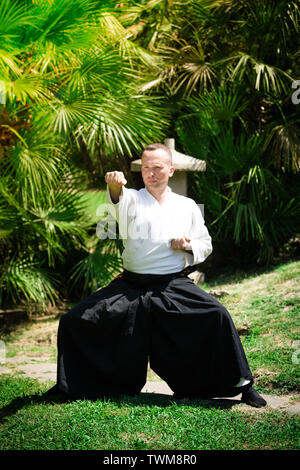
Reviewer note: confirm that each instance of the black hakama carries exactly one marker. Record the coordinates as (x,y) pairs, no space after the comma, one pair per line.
(105,342)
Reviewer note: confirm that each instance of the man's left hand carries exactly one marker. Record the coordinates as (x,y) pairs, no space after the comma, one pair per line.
(180,243)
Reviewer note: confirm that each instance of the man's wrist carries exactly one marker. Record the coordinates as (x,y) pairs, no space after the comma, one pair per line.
(115,192)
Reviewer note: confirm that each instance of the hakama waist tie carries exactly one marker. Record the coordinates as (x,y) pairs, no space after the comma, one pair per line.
(144,281)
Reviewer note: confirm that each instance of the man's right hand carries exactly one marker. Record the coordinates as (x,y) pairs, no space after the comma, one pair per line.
(115,178)
(115,181)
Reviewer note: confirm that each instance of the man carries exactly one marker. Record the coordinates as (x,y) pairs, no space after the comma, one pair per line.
(153,310)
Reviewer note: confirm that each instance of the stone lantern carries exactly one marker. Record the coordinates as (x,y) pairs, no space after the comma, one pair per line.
(178,183)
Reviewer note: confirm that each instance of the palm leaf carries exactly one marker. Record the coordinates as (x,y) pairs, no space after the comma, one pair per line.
(262,76)
(34,162)
(8,62)
(97,269)
(119,37)
(43,226)
(124,124)
(13,18)
(64,24)
(26,88)
(63,221)
(24,278)
(8,220)
(236,155)
(100,68)
(68,112)
(194,71)
(223,103)
(283,143)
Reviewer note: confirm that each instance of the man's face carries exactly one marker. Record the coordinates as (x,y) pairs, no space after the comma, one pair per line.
(156,169)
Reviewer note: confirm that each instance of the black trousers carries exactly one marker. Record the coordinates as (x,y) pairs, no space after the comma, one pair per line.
(105,342)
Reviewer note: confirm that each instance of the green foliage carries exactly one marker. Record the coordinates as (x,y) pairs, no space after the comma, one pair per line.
(97,269)
(89,83)
(26,279)
(68,87)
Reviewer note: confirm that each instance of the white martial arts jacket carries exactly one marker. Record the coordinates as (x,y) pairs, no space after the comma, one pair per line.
(147,228)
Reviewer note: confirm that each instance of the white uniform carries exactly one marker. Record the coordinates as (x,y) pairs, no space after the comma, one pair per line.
(148,227)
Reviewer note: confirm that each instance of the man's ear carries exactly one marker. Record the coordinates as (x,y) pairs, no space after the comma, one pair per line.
(171,171)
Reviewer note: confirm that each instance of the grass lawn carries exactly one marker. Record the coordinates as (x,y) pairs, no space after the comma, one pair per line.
(135,423)
(265,309)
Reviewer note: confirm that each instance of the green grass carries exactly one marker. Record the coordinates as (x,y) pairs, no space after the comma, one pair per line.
(30,422)
(265,308)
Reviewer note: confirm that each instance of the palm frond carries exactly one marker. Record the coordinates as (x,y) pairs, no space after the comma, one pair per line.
(26,88)
(97,269)
(31,231)
(97,70)
(68,112)
(223,103)
(63,221)
(283,145)
(34,162)
(13,18)
(236,155)
(115,34)
(211,117)
(124,124)
(65,25)
(245,219)
(194,72)
(8,219)
(262,76)
(23,278)
(8,63)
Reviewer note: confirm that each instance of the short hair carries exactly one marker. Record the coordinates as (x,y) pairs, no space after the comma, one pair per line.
(156,146)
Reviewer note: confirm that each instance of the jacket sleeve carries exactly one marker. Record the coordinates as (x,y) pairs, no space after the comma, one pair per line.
(122,210)
(201,243)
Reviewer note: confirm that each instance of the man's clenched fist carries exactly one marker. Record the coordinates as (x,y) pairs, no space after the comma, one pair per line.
(115,181)
(180,243)
(115,178)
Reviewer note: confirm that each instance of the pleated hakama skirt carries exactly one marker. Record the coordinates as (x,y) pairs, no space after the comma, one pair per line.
(106,341)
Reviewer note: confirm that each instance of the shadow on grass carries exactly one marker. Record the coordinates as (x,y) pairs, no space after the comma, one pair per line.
(143,399)
(159,399)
